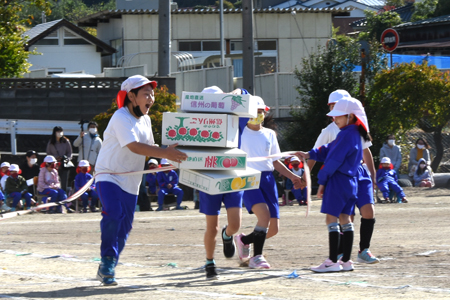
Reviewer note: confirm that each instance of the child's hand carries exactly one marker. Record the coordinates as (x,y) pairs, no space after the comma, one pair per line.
(298,182)
(301,154)
(320,191)
(174,154)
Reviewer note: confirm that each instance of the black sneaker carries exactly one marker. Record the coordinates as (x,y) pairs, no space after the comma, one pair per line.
(228,246)
(211,273)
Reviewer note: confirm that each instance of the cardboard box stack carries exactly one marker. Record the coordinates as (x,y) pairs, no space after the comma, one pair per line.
(209,125)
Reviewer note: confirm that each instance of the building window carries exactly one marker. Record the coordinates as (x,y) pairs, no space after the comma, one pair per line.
(190,46)
(116,44)
(47,42)
(266,45)
(236,46)
(211,46)
(76,42)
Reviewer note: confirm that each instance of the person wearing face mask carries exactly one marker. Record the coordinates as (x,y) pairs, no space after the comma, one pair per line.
(387,180)
(81,179)
(128,139)
(17,188)
(30,168)
(150,178)
(423,177)
(258,141)
(89,144)
(49,184)
(60,148)
(4,174)
(419,151)
(391,150)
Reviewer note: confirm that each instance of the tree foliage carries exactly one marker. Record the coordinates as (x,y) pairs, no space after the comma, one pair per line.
(396,3)
(376,23)
(411,95)
(424,10)
(164,102)
(13,57)
(442,8)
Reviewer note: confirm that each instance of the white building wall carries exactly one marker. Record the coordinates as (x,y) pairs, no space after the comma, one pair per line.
(54,57)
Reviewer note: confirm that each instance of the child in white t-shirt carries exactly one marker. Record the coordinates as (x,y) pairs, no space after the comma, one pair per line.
(258,141)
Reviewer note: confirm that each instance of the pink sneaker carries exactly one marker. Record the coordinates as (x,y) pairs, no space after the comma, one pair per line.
(347,266)
(258,262)
(243,250)
(328,266)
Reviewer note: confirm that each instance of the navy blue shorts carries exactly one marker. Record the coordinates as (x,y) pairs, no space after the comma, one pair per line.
(267,193)
(339,196)
(210,204)
(365,187)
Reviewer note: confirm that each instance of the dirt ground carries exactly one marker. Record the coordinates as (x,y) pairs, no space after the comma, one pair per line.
(56,256)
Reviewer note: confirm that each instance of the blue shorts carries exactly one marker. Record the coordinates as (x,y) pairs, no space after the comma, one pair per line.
(365,187)
(339,196)
(210,204)
(267,193)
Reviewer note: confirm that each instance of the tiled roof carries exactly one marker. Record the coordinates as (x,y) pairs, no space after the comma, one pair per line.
(440,19)
(405,13)
(39,29)
(104,16)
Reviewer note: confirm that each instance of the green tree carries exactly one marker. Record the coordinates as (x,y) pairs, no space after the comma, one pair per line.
(164,102)
(424,10)
(13,57)
(226,4)
(411,95)
(377,23)
(396,3)
(442,8)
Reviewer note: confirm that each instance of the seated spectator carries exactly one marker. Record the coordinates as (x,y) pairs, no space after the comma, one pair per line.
(82,177)
(296,167)
(30,168)
(17,188)
(49,184)
(423,177)
(387,180)
(150,178)
(168,181)
(391,150)
(3,206)
(5,174)
(418,152)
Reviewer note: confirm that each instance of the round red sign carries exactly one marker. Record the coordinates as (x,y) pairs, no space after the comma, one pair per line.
(390,39)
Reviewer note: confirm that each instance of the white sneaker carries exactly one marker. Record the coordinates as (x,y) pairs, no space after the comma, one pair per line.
(258,262)
(243,250)
(5,207)
(328,266)
(347,266)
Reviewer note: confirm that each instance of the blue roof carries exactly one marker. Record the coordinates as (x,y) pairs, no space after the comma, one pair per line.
(373,3)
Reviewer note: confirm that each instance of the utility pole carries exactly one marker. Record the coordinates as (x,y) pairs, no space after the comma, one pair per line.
(164,37)
(222,44)
(248,61)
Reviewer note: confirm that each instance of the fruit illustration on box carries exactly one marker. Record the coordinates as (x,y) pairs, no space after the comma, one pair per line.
(236,184)
(186,133)
(235,101)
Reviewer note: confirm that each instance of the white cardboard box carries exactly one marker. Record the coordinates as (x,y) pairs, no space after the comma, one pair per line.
(241,105)
(197,129)
(221,182)
(200,158)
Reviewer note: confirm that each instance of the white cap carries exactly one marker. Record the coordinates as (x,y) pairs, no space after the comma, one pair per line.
(212,90)
(337,95)
(260,103)
(153,161)
(347,106)
(164,161)
(295,158)
(14,168)
(5,164)
(49,159)
(136,81)
(385,160)
(83,163)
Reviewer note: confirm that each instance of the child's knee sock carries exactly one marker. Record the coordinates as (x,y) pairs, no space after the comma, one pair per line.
(341,248)
(333,240)
(347,241)
(259,238)
(365,233)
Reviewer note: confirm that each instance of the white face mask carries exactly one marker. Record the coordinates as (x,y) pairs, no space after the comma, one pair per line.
(422,166)
(61,134)
(391,142)
(93,130)
(33,161)
(420,146)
